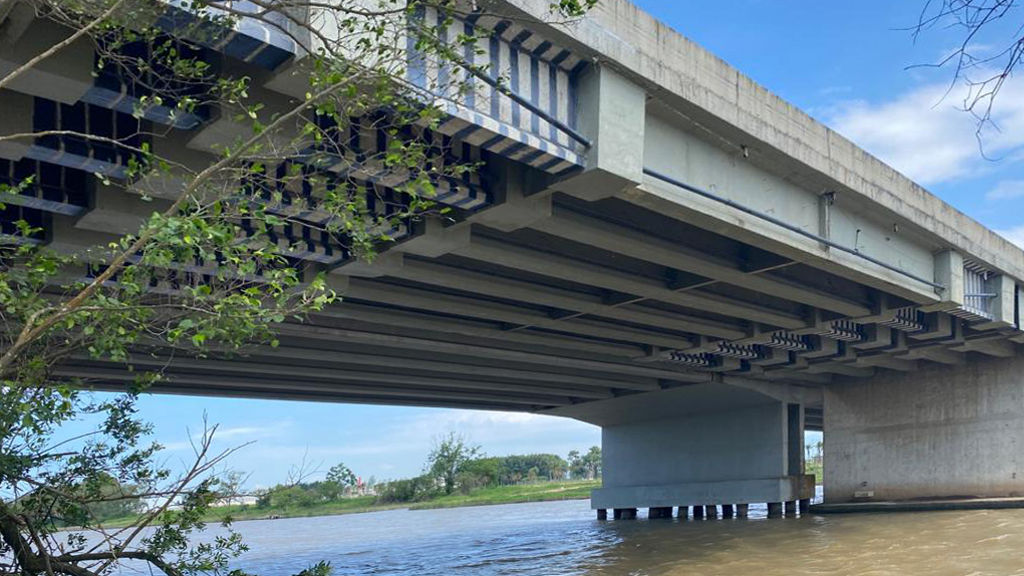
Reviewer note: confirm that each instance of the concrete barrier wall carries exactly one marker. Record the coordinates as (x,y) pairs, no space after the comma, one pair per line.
(938,432)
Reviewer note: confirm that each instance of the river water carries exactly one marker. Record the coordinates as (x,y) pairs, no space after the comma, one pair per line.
(558,538)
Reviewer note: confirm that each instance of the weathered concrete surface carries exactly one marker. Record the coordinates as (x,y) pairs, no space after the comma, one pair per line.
(747,119)
(703,444)
(937,432)
(920,505)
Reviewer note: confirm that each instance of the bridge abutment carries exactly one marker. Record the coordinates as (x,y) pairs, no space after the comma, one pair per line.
(940,432)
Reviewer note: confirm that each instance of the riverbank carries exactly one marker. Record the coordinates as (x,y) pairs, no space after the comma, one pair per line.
(540,492)
(518,494)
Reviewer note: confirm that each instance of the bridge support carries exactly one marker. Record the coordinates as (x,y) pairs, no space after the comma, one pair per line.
(939,432)
(702,445)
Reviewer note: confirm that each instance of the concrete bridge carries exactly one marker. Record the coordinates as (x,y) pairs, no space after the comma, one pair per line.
(655,244)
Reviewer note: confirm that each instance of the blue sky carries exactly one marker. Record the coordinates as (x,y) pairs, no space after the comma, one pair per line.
(843,62)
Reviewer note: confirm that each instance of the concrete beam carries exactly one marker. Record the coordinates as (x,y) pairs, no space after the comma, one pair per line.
(62,77)
(508,288)
(1003,305)
(612,111)
(462,306)
(635,244)
(16,119)
(442,347)
(383,318)
(479,369)
(990,347)
(572,270)
(437,239)
(339,391)
(949,271)
(239,366)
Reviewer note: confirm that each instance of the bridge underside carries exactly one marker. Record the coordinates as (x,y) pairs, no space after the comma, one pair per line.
(603,283)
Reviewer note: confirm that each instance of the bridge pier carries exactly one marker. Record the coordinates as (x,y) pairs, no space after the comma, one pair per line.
(703,445)
(939,432)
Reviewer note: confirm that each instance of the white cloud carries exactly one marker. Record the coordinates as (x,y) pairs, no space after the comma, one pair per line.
(1015,235)
(1006,190)
(925,134)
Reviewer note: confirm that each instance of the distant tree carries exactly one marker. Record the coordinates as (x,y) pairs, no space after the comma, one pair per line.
(339,480)
(585,466)
(231,486)
(449,454)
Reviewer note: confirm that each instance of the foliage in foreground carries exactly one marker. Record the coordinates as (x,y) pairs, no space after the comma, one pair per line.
(203,273)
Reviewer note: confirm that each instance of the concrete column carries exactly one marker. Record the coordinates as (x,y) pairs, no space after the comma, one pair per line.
(602,514)
(624,513)
(790,506)
(660,512)
(742,510)
(682,512)
(805,505)
(775,509)
(698,512)
(938,432)
(711,511)
(736,455)
(727,511)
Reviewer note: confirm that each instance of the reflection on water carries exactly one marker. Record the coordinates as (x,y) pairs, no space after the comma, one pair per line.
(564,538)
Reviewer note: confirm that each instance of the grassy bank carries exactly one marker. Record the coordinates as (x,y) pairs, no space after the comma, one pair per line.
(540,492)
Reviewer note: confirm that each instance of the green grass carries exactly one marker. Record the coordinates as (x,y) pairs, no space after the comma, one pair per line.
(814,468)
(540,492)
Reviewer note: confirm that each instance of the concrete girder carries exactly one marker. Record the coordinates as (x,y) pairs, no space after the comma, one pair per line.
(635,244)
(557,266)
(216,391)
(340,390)
(17,119)
(660,197)
(64,76)
(841,369)
(937,325)
(458,305)
(477,370)
(377,315)
(442,347)
(500,287)
(934,353)
(437,239)
(990,347)
(884,360)
(250,366)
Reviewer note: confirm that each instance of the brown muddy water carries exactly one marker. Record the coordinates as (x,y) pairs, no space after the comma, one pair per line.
(558,538)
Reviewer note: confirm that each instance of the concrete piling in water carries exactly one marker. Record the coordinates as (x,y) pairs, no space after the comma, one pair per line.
(698,512)
(602,514)
(805,505)
(659,512)
(624,513)
(727,511)
(711,511)
(682,512)
(775,509)
(742,510)
(790,506)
